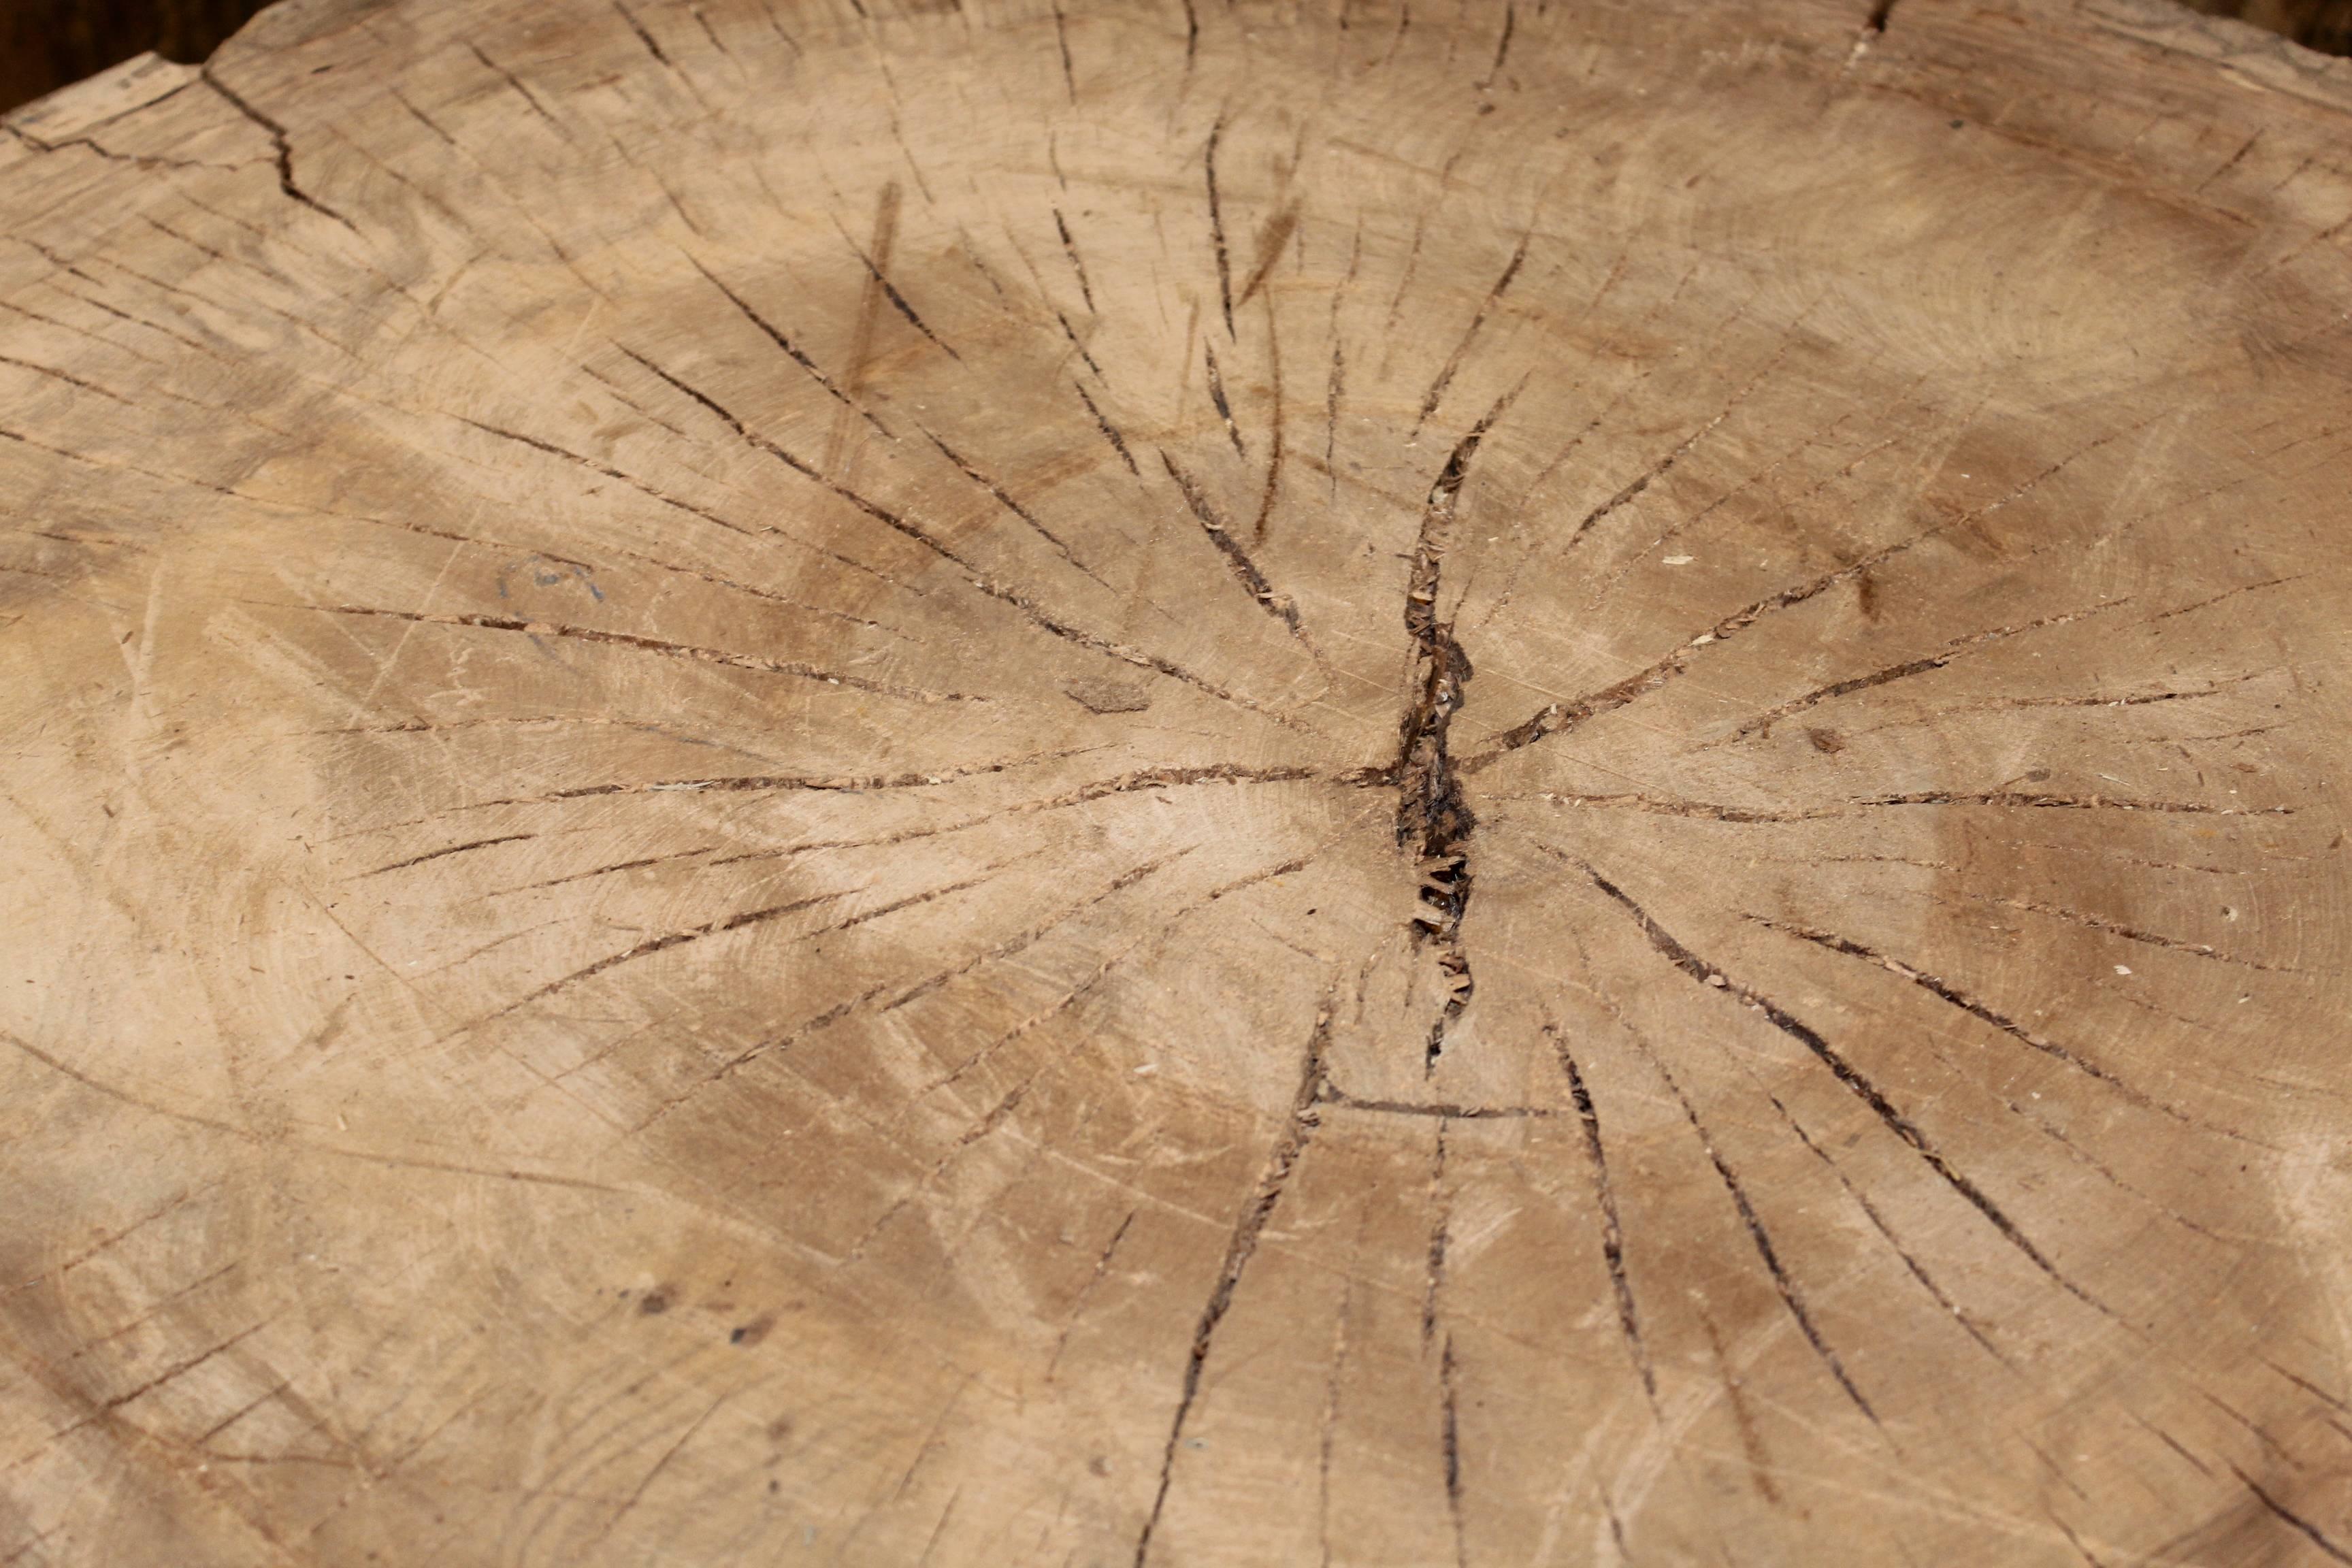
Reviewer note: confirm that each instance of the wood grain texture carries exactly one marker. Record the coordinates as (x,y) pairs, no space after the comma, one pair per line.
(1178,784)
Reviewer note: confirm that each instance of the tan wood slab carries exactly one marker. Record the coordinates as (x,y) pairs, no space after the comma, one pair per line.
(1178,784)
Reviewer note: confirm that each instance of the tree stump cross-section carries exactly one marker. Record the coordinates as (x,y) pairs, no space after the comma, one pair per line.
(1178,784)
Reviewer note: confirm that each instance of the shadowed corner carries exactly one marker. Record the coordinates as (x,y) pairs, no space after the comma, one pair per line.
(48,43)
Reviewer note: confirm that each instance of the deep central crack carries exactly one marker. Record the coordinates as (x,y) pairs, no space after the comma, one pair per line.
(1434,821)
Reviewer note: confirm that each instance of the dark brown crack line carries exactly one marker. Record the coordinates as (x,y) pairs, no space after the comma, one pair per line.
(644,37)
(1217,220)
(1783,1282)
(1217,396)
(1071,333)
(1848,1076)
(1452,1443)
(792,349)
(1441,1241)
(285,150)
(1501,48)
(1028,608)
(1334,1096)
(2309,1531)
(663,942)
(1433,819)
(1070,249)
(656,645)
(2071,803)
(1612,1231)
(1219,530)
(1958,648)
(965,465)
(1454,362)
(1553,717)
(453,849)
(858,784)
(898,300)
(1954,997)
(1281,1161)
(1069,76)
(1886,1232)
(2007,1025)
(1110,433)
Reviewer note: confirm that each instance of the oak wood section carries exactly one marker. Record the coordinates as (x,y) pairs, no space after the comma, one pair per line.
(1178,784)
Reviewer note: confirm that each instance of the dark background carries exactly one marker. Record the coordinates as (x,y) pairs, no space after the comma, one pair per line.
(45,44)
(2324,25)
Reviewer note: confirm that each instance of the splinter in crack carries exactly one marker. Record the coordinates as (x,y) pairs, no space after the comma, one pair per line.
(1434,820)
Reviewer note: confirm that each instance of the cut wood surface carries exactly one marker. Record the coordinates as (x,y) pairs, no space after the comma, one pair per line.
(1177,785)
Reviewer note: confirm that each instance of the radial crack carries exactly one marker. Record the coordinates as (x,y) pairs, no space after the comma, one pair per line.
(1078,263)
(1280,1162)
(1870,1211)
(1849,1076)
(1958,648)
(1953,996)
(793,351)
(1451,1438)
(1219,530)
(965,465)
(1433,819)
(1555,717)
(663,942)
(1110,432)
(2309,1531)
(1217,216)
(878,259)
(1224,406)
(285,150)
(1028,608)
(1783,1282)
(1612,1231)
(1485,307)
(667,649)
(1439,1110)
